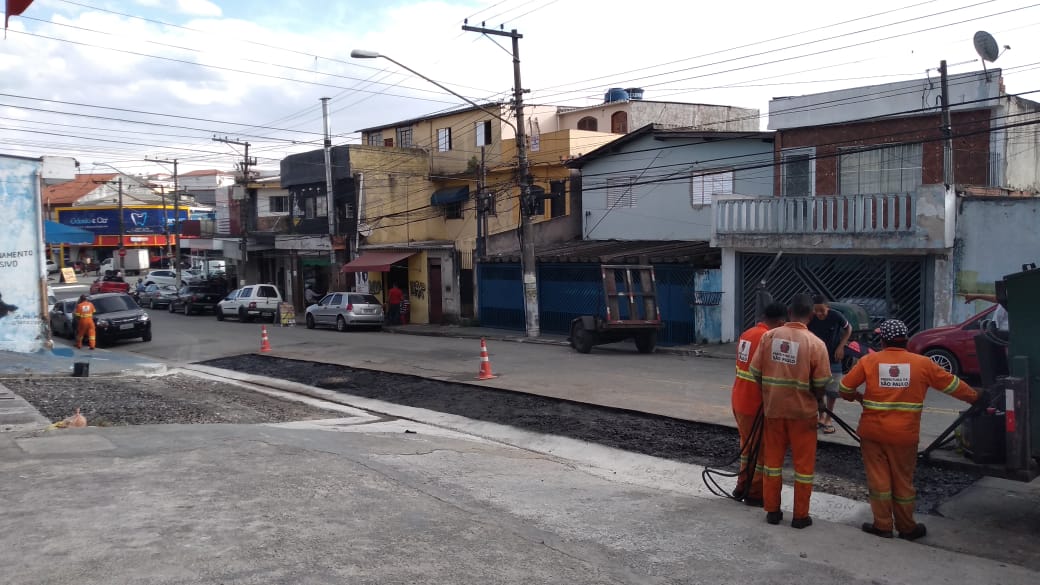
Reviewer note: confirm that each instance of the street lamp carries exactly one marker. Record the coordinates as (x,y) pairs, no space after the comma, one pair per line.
(120,252)
(527,258)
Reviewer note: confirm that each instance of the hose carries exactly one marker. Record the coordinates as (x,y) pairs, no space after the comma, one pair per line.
(751,448)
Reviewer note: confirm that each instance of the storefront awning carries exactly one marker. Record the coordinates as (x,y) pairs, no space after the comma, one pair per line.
(374,261)
(450,195)
(59,233)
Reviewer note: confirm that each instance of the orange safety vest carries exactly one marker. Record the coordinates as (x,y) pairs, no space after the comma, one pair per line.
(747,396)
(85,310)
(794,365)
(897,382)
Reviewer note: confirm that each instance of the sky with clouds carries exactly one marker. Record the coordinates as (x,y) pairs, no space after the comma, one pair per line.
(115,81)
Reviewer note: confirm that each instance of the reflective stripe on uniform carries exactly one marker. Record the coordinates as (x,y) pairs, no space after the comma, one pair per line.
(881,496)
(784,383)
(803,478)
(745,375)
(843,389)
(953,386)
(770,471)
(893,406)
(904,501)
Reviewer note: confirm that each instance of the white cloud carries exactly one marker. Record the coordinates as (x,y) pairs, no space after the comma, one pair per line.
(199,8)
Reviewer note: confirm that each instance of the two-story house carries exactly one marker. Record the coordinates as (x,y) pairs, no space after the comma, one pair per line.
(864,212)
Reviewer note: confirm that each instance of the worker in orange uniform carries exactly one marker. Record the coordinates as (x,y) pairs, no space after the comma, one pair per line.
(747,405)
(792,368)
(889,429)
(85,322)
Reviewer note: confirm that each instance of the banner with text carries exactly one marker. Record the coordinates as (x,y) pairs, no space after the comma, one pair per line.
(21,257)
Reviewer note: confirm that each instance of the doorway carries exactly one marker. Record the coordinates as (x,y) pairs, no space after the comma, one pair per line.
(436,311)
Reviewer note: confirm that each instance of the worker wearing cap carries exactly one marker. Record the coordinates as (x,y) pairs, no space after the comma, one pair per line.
(896,383)
(792,368)
(84,315)
(746,399)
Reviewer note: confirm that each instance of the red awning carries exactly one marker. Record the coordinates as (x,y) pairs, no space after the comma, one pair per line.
(374,261)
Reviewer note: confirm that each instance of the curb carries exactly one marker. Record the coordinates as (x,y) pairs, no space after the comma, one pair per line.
(693,352)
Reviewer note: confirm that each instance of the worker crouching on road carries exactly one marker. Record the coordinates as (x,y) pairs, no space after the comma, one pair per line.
(747,405)
(792,368)
(85,322)
(889,429)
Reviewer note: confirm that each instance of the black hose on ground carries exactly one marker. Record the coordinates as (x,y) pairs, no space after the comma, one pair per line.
(751,448)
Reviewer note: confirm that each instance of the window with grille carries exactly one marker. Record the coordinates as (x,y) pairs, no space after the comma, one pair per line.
(619,192)
(279,204)
(443,139)
(375,138)
(588,123)
(404,137)
(483,132)
(558,201)
(453,210)
(704,187)
(798,175)
(893,169)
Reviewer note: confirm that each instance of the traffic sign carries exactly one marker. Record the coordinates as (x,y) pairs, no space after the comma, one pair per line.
(122,252)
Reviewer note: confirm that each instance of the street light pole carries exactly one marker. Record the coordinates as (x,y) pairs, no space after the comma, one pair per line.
(527,256)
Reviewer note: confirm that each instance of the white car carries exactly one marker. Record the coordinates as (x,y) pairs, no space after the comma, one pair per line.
(169,277)
(52,267)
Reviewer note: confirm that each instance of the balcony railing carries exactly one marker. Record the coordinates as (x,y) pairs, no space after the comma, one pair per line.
(853,214)
(904,220)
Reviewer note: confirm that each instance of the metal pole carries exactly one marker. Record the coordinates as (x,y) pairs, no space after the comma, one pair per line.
(947,128)
(330,201)
(481,206)
(120,251)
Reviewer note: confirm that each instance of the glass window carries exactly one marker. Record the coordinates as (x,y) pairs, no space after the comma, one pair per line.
(246,292)
(483,132)
(893,169)
(704,187)
(404,137)
(443,139)
(115,304)
(279,204)
(453,210)
(361,299)
(798,174)
(588,123)
(337,300)
(375,138)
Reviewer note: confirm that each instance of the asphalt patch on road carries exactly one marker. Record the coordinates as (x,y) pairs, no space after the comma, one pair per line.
(839,468)
(173,399)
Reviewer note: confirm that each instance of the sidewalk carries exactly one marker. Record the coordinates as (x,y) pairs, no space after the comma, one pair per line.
(712,350)
(60,362)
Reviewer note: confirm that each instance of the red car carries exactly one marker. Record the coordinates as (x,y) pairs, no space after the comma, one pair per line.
(109,285)
(952,346)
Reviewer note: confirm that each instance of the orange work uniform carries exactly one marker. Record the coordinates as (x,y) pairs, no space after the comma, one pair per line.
(896,384)
(85,326)
(793,368)
(746,399)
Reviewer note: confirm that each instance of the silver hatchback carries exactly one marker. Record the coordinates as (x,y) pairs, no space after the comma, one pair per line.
(344,310)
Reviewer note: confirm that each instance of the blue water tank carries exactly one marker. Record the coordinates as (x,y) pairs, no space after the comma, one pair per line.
(615,94)
(634,93)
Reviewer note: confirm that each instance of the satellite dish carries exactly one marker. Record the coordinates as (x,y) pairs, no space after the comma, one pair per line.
(986,46)
(364,229)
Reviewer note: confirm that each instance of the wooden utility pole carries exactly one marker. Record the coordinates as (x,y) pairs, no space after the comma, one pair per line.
(527,253)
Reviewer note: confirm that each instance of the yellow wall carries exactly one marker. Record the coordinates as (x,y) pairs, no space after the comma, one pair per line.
(463,141)
(394,183)
(419,311)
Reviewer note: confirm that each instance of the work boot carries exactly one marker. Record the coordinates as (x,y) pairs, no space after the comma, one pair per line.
(869,528)
(738,493)
(774,517)
(914,534)
(801,522)
(753,502)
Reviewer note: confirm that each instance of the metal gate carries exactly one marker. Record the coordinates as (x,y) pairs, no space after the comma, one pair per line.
(500,293)
(886,286)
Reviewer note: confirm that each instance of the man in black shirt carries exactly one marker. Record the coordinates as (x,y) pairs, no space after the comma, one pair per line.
(834,330)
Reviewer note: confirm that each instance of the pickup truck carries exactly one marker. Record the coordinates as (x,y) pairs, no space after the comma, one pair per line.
(249,302)
(110,283)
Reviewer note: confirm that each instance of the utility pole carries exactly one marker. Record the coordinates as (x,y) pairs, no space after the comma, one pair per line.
(244,206)
(527,256)
(175,256)
(330,201)
(947,128)
(120,252)
(482,206)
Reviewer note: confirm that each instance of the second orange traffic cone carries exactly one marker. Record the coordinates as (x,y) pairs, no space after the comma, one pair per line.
(485,363)
(265,345)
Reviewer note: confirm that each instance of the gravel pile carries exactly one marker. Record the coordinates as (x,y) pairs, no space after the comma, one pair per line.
(839,469)
(173,399)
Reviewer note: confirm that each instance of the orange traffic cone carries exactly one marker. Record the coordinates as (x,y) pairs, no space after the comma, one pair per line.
(265,345)
(485,363)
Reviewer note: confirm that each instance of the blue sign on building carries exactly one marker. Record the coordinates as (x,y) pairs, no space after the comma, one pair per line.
(150,220)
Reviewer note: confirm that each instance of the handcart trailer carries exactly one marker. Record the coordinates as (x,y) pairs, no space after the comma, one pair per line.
(630,310)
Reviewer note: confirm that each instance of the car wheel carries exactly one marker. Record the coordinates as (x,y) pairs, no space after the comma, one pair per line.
(944,359)
(220,314)
(310,321)
(187,309)
(171,308)
(581,339)
(147,336)
(151,303)
(341,324)
(242,316)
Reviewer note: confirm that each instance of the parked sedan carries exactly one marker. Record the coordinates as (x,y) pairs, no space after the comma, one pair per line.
(169,277)
(952,346)
(158,295)
(61,318)
(344,310)
(119,316)
(197,297)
